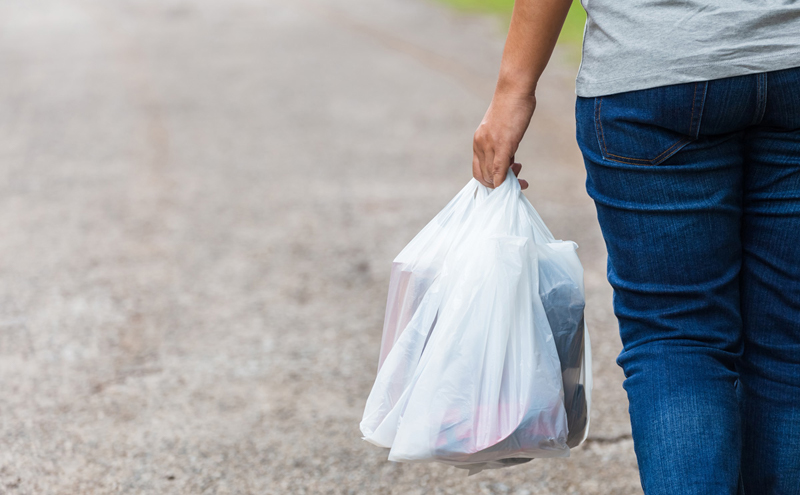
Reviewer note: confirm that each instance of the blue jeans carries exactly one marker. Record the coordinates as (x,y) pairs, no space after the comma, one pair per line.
(697,189)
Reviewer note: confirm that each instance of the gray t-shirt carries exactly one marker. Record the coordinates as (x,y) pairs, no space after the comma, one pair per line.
(638,44)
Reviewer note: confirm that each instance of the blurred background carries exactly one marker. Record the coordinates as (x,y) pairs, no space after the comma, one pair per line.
(199,205)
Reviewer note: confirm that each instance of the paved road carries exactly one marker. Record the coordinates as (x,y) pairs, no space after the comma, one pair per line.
(199,203)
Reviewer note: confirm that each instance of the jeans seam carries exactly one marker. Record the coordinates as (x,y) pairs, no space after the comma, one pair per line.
(761,98)
(691,117)
(599,124)
(652,160)
(694,129)
(694,125)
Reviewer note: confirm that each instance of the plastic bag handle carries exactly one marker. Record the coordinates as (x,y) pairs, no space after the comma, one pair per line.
(482,192)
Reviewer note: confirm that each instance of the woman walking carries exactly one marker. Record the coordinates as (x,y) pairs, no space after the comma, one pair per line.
(688,118)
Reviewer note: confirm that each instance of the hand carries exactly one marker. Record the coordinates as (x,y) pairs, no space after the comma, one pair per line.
(498,136)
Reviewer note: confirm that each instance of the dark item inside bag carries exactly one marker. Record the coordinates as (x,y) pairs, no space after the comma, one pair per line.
(564,305)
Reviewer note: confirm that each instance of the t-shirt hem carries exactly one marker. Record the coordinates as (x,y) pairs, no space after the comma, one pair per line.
(678,75)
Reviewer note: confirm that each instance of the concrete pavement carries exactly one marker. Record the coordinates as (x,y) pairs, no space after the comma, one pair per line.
(199,204)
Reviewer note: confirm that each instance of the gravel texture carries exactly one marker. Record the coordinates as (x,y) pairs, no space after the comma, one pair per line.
(199,205)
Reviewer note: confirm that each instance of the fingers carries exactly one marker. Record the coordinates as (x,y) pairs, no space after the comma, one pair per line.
(486,167)
(480,172)
(489,164)
(477,163)
(500,168)
(485,150)
(516,167)
(476,170)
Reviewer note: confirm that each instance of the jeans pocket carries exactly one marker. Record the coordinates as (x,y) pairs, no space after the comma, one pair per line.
(645,127)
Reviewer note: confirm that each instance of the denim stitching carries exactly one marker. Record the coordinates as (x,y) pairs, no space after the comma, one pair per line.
(596,132)
(598,122)
(764,90)
(651,160)
(761,98)
(695,127)
(754,121)
(678,144)
(694,101)
(674,149)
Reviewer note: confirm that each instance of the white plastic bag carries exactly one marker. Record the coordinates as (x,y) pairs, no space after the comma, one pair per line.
(469,370)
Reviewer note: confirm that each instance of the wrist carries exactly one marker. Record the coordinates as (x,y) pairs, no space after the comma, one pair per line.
(516,85)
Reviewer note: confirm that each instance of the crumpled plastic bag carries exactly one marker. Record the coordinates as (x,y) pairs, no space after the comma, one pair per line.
(485,360)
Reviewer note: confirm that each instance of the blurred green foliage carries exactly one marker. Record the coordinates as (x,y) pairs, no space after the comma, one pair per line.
(573,26)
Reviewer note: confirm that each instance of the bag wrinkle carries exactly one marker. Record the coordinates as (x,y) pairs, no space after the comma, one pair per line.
(485,360)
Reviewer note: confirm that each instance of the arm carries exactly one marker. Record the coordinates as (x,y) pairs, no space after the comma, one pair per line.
(535,26)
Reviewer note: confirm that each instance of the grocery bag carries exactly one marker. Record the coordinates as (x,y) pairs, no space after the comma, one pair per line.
(485,360)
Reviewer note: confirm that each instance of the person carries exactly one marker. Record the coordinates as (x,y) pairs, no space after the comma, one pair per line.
(688,119)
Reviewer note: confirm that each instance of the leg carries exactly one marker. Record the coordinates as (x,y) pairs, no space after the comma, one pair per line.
(672,229)
(770,298)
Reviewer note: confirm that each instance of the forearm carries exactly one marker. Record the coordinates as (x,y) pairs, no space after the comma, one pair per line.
(534,30)
(532,35)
